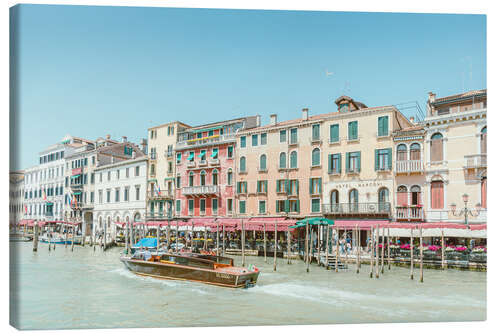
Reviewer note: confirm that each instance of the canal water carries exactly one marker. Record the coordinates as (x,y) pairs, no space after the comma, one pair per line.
(86,289)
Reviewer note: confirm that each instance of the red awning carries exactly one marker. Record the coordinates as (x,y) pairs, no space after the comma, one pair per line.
(362,224)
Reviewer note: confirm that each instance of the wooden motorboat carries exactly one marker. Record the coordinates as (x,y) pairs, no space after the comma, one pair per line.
(191,267)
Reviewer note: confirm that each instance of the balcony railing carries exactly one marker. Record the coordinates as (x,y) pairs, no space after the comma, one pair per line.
(357,208)
(214,161)
(409,213)
(163,195)
(200,190)
(191,164)
(202,163)
(475,161)
(409,166)
(205,141)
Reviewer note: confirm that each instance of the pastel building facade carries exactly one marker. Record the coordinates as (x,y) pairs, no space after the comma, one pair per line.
(456,156)
(16,197)
(205,168)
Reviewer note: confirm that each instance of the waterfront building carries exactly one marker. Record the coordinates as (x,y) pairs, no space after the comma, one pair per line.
(120,188)
(162,169)
(16,197)
(44,183)
(205,167)
(80,176)
(455,158)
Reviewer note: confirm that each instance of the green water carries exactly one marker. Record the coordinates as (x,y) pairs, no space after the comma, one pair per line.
(86,289)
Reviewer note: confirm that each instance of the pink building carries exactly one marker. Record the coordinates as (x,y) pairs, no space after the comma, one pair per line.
(205,168)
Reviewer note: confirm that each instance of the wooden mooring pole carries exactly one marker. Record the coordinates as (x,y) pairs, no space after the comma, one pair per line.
(242,243)
(337,249)
(372,241)
(383,249)
(318,233)
(307,247)
(275,244)
(421,257)
(265,244)
(223,241)
(377,272)
(66,235)
(177,236)
(357,248)
(35,237)
(442,249)
(388,249)
(158,238)
(327,248)
(411,253)
(288,247)
(217,238)
(73,238)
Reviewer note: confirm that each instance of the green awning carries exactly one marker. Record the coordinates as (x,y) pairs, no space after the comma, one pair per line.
(207,129)
(202,154)
(191,156)
(75,176)
(313,221)
(77,193)
(169,178)
(49,203)
(152,180)
(215,151)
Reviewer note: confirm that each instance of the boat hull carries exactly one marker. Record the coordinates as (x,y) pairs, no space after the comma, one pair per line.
(187,273)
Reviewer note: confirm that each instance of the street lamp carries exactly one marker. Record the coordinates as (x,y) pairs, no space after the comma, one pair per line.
(466,212)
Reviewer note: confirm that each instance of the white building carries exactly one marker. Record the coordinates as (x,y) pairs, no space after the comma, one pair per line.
(16,197)
(120,190)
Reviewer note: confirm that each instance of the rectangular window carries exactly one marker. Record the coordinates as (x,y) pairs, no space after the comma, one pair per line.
(314,185)
(203,155)
(353,162)
(215,206)
(241,187)
(170,167)
(383,126)
(242,206)
(383,159)
(108,196)
(229,206)
(283,136)
(177,206)
(100,196)
(315,132)
(263,139)
(352,130)
(136,171)
(334,133)
(109,176)
(117,195)
(91,197)
(117,174)
(282,206)
(230,152)
(255,140)
(179,158)
(178,182)
(294,206)
(215,154)
(243,142)
(127,173)
(138,192)
(282,185)
(125,194)
(315,205)
(202,206)
(294,186)
(334,163)
(262,186)
(100,177)
(92,178)
(262,207)
(190,206)
(293,136)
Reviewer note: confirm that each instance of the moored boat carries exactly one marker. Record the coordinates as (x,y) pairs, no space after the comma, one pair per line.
(191,267)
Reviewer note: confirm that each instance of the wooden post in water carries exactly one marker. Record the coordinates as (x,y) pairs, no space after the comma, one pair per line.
(388,249)
(73,238)
(218,238)
(371,251)
(383,249)
(288,246)
(377,254)
(35,237)
(358,249)
(337,250)
(205,239)
(177,237)
(442,249)
(306,244)
(66,235)
(265,244)
(411,253)
(327,248)
(421,257)
(223,241)
(242,243)
(275,243)
(318,233)
(158,237)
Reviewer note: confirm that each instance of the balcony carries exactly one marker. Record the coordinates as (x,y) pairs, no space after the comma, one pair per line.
(164,195)
(202,163)
(76,186)
(357,209)
(206,141)
(200,190)
(169,153)
(214,161)
(410,166)
(191,164)
(475,161)
(414,213)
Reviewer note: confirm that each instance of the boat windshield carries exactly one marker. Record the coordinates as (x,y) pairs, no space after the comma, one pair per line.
(142,255)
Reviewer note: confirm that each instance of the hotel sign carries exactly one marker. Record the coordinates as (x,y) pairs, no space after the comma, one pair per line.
(358,184)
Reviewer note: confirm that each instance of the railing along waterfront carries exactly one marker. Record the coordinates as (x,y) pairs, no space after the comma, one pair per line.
(475,161)
(357,208)
(200,190)
(410,166)
(410,213)
(206,141)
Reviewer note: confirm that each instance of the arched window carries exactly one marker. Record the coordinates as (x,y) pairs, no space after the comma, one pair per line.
(316,157)
(402,152)
(293,160)
(437,194)
(263,162)
(353,200)
(152,170)
(483,140)
(334,201)
(415,152)
(137,217)
(109,222)
(436,147)
(283,161)
(402,196)
(215,177)
(203,178)
(415,195)
(243,164)
(191,178)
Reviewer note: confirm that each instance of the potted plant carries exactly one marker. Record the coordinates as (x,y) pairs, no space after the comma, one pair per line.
(432,252)
(478,254)
(458,252)
(405,250)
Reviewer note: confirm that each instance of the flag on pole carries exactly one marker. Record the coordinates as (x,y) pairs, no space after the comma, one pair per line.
(44,195)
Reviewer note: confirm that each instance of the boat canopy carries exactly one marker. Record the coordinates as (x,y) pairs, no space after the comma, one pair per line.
(146,242)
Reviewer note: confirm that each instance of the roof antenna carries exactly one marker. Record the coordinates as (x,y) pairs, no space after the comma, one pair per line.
(347,88)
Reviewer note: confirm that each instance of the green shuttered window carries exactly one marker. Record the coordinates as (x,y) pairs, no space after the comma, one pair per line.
(352,130)
(383,126)
(334,133)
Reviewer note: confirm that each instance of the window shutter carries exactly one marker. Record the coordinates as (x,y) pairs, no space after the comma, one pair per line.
(265,186)
(389,152)
(287,186)
(355,129)
(298,206)
(339,163)
(330,163)
(380,126)
(359,161)
(277,186)
(347,158)
(386,125)
(297,182)
(319,185)
(287,206)
(245,183)
(310,186)
(376,157)
(277,206)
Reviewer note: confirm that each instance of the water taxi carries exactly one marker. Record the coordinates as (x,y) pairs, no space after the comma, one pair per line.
(209,269)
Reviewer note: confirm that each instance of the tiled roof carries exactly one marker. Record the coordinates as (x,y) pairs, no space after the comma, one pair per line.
(466,94)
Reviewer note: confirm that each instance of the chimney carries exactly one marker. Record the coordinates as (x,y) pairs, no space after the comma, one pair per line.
(305,113)
(412,120)
(432,97)
(274,119)
(257,120)
(108,136)
(124,139)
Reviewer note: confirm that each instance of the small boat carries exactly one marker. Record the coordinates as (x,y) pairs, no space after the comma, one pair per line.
(19,237)
(58,240)
(195,267)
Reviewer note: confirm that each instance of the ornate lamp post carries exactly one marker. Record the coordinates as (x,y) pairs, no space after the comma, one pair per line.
(466,212)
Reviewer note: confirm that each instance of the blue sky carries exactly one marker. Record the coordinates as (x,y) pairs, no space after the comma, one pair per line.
(91,71)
